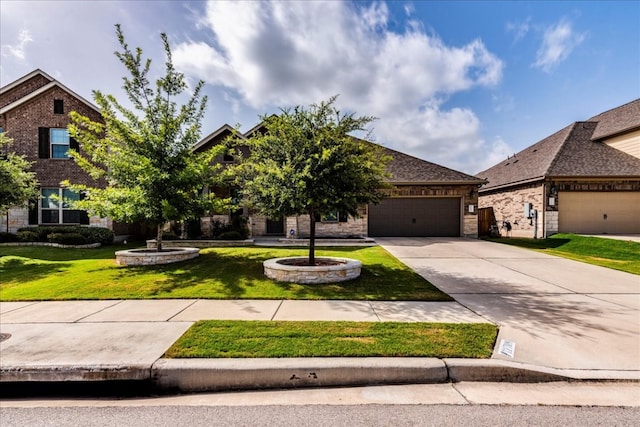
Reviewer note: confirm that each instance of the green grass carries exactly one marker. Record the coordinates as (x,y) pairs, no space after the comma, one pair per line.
(242,339)
(43,273)
(621,255)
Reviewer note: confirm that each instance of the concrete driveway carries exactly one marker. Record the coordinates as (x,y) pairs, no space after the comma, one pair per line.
(551,311)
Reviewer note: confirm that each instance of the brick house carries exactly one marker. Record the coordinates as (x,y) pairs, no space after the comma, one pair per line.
(34,112)
(584,178)
(425,200)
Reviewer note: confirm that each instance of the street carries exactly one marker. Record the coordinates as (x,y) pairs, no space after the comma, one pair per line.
(468,404)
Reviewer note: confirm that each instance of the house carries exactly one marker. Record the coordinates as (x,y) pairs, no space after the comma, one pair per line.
(424,200)
(584,178)
(34,112)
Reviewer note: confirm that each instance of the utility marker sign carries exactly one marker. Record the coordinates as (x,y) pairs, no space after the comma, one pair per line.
(507,348)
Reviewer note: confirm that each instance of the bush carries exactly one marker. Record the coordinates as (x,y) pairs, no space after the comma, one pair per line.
(101,235)
(168,235)
(7,237)
(67,238)
(28,236)
(231,235)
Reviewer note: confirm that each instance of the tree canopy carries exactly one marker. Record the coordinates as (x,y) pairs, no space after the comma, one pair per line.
(306,162)
(17,183)
(145,154)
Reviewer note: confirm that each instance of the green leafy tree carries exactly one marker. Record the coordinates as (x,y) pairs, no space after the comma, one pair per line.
(17,183)
(145,154)
(306,163)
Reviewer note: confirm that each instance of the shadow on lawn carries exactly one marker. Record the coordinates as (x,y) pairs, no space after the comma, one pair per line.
(236,273)
(15,268)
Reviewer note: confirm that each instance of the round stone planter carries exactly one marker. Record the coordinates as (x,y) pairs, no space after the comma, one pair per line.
(336,270)
(151,257)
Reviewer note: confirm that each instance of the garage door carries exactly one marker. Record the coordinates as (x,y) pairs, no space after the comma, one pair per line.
(429,217)
(598,213)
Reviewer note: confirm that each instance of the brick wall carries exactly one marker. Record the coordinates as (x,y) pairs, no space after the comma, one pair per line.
(28,86)
(21,124)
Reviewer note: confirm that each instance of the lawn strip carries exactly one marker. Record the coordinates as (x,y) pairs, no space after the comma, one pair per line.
(258,339)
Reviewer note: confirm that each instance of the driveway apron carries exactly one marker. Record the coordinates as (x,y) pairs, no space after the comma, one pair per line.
(551,311)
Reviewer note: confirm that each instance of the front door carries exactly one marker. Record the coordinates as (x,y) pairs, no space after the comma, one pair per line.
(275,227)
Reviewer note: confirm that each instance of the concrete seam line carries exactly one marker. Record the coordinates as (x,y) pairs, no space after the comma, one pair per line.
(194,301)
(99,311)
(277,309)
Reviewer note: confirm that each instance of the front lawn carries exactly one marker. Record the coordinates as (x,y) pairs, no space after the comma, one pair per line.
(44,273)
(621,255)
(244,339)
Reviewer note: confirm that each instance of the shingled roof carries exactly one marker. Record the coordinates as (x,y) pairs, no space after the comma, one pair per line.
(575,151)
(617,121)
(406,169)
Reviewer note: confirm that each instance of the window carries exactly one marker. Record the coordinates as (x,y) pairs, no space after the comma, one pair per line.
(58,106)
(59,139)
(335,216)
(55,208)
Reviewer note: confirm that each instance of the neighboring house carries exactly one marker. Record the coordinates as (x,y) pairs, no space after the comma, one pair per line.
(584,178)
(425,200)
(34,112)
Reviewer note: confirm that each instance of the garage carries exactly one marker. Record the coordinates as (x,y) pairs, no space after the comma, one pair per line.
(599,212)
(415,217)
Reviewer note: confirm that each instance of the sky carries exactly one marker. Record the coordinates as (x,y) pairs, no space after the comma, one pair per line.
(463,84)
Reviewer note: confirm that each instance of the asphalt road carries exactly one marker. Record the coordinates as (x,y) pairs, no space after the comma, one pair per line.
(322,416)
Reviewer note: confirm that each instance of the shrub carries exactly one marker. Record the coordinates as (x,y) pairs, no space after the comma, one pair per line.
(7,237)
(28,236)
(101,235)
(67,238)
(170,236)
(231,235)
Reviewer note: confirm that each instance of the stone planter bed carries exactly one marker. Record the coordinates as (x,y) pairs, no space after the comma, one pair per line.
(151,257)
(329,270)
(201,243)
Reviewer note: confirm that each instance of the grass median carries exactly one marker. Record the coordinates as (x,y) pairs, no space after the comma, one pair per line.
(253,339)
(623,255)
(29,273)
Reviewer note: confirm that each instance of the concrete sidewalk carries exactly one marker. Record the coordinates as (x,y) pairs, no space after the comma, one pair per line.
(559,319)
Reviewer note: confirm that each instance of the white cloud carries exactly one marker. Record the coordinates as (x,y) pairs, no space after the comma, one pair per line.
(286,53)
(18,50)
(559,40)
(519,29)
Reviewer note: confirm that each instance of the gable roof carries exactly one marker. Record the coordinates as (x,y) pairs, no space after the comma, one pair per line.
(52,83)
(618,120)
(574,151)
(215,137)
(406,169)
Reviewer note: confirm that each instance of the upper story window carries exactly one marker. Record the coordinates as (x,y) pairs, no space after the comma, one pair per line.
(54,143)
(58,106)
(59,139)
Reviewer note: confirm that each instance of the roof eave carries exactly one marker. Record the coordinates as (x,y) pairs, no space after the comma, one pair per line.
(44,89)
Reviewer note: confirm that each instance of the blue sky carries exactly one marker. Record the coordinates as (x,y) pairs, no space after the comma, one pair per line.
(463,84)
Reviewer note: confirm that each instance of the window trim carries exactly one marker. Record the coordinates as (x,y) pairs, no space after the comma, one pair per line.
(62,207)
(52,143)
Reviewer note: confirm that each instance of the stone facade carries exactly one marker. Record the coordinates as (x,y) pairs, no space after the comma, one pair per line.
(508,205)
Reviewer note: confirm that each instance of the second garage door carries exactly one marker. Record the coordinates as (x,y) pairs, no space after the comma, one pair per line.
(428,217)
(597,213)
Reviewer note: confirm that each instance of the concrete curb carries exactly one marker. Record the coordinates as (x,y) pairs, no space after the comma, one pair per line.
(234,374)
(195,375)
(66,373)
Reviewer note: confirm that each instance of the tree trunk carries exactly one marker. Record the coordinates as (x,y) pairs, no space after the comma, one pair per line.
(312,238)
(159,238)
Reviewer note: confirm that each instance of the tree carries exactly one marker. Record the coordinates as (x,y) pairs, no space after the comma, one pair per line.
(306,163)
(17,183)
(145,154)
